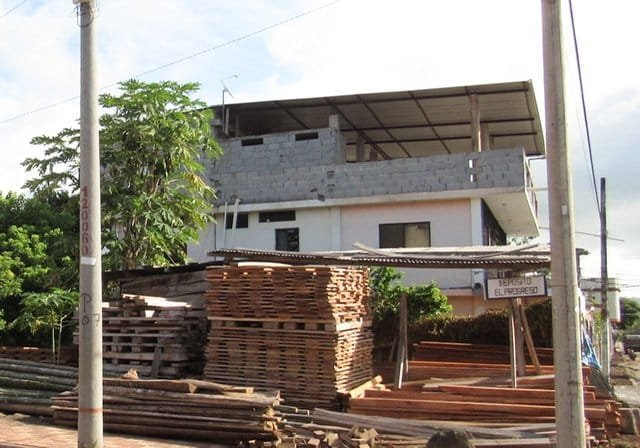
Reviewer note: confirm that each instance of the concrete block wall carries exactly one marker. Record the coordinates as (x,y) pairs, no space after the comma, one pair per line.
(267,178)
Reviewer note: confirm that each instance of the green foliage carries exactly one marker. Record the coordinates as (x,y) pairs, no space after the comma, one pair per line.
(422,301)
(48,311)
(630,310)
(488,328)
(37,238)
(154,140)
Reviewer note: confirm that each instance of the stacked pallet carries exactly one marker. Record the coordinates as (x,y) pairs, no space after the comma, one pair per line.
(303,330)
(155,336)
(183,409)
(27,386)
(68,354)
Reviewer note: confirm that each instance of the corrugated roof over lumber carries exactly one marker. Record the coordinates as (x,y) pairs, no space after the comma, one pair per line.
(495,257)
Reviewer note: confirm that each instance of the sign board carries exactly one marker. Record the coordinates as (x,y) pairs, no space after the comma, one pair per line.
(515,287)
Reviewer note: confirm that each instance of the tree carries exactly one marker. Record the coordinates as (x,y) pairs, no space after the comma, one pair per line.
(154,141)
(630,314)
(422,300)
(38,242)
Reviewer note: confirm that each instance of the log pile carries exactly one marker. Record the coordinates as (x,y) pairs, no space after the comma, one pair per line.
(302,330)
(158,337)
(182,409)
(27,386)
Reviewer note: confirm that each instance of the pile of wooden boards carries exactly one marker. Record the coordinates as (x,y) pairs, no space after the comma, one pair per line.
(27,386)
(68,354)
(183,409)
(160,338)
(475,389)
(483,353)
(303,330)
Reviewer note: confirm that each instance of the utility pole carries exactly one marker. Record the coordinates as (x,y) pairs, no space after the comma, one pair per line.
(570,427)
(604,283)
(90,425)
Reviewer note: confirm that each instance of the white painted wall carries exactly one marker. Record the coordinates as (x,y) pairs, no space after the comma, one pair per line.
(451,225)
(337,228)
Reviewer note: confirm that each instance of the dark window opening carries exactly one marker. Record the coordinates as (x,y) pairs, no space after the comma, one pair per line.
(413,234)
(306,136)
(252,141)
(242,221)
(279,216)
(288,240)
(492,233)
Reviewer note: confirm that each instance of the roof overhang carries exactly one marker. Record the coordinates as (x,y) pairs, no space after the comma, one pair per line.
(412,123)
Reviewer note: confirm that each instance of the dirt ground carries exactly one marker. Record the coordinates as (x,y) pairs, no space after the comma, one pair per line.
(625,378)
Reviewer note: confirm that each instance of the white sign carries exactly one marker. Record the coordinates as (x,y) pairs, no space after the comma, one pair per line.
(514,287)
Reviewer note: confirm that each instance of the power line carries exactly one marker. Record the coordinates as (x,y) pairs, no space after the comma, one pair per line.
(9,11)
(183,59)
(584,107)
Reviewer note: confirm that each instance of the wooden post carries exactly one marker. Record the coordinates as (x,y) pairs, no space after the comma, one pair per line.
(521,363)
(402,357)
(527,337)
(512,348)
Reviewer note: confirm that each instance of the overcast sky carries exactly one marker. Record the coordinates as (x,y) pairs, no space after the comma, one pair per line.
(280,49)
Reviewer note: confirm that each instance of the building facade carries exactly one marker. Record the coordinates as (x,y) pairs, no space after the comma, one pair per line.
(430,168)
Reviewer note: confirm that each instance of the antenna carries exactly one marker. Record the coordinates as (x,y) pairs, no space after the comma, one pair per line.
(225,113)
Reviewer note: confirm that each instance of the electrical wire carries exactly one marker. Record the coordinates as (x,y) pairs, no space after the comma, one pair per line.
(13,9)
(186,58)
(584,108)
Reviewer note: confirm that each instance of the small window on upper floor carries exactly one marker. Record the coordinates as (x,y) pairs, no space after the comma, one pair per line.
(412,234)
(277,216)
(242,221)
(288,240)
(302,136)
(252,141)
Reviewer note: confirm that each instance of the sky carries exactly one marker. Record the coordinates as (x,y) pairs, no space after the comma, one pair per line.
(281,49)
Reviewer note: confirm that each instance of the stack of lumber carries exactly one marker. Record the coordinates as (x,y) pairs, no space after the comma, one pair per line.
(174,284)
(324,428)
(158,337)
(27,386)
(305,331)
(183,409)
(483,353)
(68,355)
(480,393)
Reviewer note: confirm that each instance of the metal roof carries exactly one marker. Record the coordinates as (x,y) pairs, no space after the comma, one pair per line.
(412,123)
(525,258)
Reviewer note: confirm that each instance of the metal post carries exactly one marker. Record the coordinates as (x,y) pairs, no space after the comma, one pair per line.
(570,427)
(604,284)
(90,425)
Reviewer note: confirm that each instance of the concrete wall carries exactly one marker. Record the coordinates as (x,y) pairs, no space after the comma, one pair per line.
(283,169)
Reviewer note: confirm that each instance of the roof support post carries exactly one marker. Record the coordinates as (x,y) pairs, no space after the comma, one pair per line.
(360,148)
(476,129)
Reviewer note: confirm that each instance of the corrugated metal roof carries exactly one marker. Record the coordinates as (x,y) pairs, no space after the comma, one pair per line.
(494,257)
(412,123)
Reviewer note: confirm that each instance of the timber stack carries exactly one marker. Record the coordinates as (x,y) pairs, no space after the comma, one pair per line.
(27,387)
(160,338)
(183,409)
(305,331)
(479,390)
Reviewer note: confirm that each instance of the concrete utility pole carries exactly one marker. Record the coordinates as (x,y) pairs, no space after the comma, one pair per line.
(570,427)
(604,283)
(90,307)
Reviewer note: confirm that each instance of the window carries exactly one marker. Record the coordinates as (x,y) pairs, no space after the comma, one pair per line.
(413,234)
(252,141)
(283,215)
(242,221)
(288,240)
(306,136)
